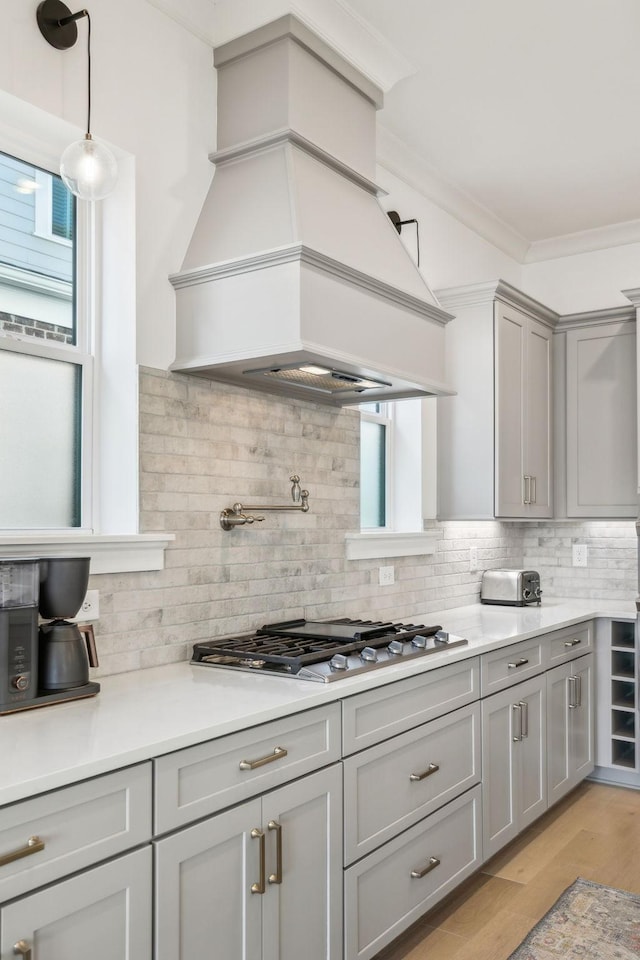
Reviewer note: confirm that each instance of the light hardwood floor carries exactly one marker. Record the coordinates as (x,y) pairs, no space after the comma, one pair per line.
(593,833)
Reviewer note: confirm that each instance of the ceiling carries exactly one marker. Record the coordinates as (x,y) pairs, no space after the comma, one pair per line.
(528,109)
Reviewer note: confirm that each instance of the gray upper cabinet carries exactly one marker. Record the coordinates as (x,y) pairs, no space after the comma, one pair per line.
(523,427)
(495,434)
(601,420)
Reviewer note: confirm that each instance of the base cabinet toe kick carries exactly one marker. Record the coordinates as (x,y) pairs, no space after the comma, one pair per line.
(323,834)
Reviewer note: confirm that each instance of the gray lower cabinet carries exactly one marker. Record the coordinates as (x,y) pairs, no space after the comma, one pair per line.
(514,746)
(261,881)
(570,753)
(103,913)
(392,887)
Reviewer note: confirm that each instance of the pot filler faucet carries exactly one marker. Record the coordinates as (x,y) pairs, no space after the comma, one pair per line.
(240,514)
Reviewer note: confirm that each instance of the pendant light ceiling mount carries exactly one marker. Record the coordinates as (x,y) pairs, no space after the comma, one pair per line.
(57,23)
(87,167)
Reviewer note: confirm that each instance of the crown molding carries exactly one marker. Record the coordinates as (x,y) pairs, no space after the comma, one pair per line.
(333,21)
(601,238)
(399,159)
(633,295)
(479,294)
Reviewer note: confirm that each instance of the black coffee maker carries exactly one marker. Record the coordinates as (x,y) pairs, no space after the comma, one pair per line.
(65,650)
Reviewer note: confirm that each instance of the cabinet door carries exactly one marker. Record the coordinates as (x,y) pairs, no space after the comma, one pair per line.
(513,761)
(302,908)
(522,415)
(538,420)
(570,753)
(601,421)
(103,913)
(510,345)
(204,876)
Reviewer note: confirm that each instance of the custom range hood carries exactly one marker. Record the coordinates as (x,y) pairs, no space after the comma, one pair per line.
(295,280)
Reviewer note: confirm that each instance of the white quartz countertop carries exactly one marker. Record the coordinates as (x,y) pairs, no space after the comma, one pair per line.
(146,713)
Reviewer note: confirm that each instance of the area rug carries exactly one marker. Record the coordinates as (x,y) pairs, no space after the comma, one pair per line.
(588,921)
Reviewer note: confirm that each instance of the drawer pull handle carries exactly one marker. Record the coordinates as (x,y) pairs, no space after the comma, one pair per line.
(22,949)
(260,886)
(254,764)
(575,692)
(432,768)
(572,643)
(419,874)
(277,876)
(517,711)
(517,663)
(33,845)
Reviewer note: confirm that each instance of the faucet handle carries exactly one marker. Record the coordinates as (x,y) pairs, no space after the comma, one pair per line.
(295,488)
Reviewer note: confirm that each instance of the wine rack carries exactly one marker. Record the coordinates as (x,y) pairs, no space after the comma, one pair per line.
(618,753)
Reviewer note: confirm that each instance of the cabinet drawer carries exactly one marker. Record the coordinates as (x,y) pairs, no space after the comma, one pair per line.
(370,717)
(381,798)
(382,897)
(199,780)
(509,665)
(569,643)
(79,825)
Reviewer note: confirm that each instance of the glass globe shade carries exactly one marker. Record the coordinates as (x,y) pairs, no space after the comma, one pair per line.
(88,169)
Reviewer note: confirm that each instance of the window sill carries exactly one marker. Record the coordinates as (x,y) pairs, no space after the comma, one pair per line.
(368,546)
(109,554)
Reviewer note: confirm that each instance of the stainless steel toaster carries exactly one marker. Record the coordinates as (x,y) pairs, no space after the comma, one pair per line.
(515,588)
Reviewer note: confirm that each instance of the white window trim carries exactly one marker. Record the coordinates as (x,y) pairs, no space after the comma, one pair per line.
(114,543)
(368,546)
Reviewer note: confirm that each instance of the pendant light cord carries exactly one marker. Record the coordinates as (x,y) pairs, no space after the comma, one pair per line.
(88,74)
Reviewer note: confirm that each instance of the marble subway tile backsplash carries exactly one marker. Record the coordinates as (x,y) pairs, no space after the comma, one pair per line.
(205,445)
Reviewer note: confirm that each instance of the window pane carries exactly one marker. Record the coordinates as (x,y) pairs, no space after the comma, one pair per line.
(39,442)
(372,474)
(37,289)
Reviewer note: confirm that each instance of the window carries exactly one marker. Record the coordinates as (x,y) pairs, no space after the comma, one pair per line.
(376,444)
(45,366)
(79,356)
(397,479)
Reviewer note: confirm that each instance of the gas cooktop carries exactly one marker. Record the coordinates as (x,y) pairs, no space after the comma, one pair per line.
(324,650)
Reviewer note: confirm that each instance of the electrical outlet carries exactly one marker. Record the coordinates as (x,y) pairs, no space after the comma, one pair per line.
(90,609)
(580,555)
(473,558)
(386,576)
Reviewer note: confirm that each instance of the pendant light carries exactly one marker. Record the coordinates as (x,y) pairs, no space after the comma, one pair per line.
(87,167)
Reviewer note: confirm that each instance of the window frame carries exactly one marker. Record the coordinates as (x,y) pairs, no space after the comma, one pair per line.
(385,418)
(43,196)
(113,542)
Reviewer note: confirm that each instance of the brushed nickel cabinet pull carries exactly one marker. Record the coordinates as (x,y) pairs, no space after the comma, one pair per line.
(517,708)
(524,723)
(534,498)
(278,752)
(277,876)
(572,643)
(432,864)
(517,663)
(22,949)
(526,494)
(33,845)
(573,692)
(579,691)
(432,768)
(260,886)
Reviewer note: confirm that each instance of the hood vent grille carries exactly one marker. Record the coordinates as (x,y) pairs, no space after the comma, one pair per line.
(322,380)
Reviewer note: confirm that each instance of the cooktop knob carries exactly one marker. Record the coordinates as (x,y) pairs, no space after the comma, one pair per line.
(369,654)
(419,641)
(339,662)
(396,647)
(441,637)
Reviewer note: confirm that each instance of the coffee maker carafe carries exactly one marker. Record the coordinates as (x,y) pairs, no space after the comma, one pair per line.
(65,649)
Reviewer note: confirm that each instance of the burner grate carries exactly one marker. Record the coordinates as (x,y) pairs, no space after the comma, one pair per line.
(294,644)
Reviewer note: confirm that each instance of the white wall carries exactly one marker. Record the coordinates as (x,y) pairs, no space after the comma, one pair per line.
(587,281)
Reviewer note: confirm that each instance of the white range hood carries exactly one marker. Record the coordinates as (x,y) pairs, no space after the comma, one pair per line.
(295,280)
